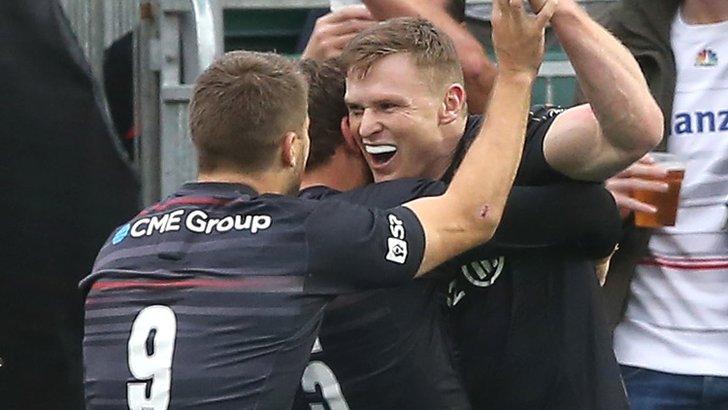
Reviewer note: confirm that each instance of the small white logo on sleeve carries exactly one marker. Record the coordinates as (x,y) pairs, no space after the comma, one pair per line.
(396,244)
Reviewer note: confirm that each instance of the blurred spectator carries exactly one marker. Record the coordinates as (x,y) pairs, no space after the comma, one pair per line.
(335,29)
(119,87)
(65,185)
(673,339)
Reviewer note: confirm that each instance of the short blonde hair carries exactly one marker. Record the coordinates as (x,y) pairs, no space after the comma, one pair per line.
(430,48)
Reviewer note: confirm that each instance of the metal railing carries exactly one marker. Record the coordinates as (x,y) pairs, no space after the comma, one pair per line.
(177,41)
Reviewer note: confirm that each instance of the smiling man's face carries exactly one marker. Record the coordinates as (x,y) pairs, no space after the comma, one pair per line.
(394,114)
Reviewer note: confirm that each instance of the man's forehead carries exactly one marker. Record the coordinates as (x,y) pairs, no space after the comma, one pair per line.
(389,79)
(373,96)
(400,61)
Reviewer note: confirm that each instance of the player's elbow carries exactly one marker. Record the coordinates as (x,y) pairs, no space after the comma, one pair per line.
(640,134)
(650,129)
(482,222)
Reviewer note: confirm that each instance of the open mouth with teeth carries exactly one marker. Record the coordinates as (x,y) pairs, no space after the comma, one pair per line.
(381,154)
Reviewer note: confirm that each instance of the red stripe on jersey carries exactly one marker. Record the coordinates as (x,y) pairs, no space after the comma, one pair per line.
(686,264)
(688,259)
(185,200)
(270,282)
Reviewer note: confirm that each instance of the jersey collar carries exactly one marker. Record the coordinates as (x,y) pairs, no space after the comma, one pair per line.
(216,189)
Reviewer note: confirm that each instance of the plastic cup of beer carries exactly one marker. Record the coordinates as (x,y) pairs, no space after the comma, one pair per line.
(665,202)
(338,4)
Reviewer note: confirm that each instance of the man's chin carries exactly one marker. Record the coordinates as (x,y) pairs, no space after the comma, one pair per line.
(385,177)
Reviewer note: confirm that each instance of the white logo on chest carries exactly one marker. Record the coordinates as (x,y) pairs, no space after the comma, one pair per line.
(483,273)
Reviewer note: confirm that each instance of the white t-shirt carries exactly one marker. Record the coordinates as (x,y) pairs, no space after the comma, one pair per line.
(677,317)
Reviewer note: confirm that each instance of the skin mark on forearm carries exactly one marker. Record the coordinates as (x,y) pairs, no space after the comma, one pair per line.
(484,211)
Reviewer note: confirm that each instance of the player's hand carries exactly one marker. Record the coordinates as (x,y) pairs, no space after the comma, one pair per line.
(333,32)
(639,175)
(518,37)
(537,5)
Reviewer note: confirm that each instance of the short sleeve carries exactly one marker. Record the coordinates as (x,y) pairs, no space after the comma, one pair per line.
(352,248)
(534,170)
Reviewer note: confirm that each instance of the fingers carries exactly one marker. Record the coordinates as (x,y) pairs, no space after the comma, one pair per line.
(512,8)
(333,32)
(546,12)
(518,11)
(644,170)
(631,184)
(340,42)
(646,159)
(501,7)
(516,4)
(629,203)
(349,13)
(337,28)
(350,27)
(536,5)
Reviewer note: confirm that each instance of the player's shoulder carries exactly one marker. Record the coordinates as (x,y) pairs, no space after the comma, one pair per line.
(389,194)
(380,195)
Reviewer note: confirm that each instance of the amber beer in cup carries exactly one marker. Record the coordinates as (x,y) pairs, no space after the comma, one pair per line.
(665,202)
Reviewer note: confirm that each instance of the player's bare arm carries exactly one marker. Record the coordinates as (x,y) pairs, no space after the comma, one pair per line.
(621,122)
(470,210)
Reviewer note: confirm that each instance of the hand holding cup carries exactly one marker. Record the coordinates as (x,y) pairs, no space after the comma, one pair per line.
(650,188)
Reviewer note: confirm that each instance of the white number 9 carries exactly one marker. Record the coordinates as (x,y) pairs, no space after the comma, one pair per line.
(154,366)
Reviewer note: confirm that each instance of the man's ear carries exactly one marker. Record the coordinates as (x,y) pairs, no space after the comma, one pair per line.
(288,149)
(349,139)
(453,104)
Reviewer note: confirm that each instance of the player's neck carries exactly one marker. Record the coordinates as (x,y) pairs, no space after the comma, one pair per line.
(264,182)
(341,172)
(705,11)
(453,133)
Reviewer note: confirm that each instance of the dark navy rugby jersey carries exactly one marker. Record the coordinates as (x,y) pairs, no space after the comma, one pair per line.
(393,341)
(387,348)
(213,297)
(533,169)
(529,326)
